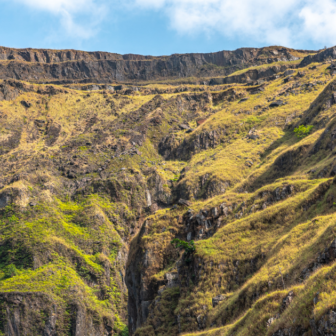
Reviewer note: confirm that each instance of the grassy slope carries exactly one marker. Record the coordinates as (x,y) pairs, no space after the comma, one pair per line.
(286,233)
(52,247)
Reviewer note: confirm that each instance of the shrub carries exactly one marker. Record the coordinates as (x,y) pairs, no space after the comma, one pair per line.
(302,131)
(124,332)
(189,248)
(252,120)
(10,271)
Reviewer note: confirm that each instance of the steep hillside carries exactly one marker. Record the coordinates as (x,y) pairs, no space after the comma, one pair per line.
(168,207)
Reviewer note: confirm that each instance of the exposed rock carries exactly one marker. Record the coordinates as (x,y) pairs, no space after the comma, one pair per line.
(272,320)
(324,55)
(156,191)
(71,65)
(287,300)
(288,72)
(276,103)
(217,299)
(184,127)
(172,279)
(26,103)
(253,134)
(249,163)
(252,76)
(326,326)
(36,314)
(183,202)
(323,258)
(170,148)
(16,196)
(200,121)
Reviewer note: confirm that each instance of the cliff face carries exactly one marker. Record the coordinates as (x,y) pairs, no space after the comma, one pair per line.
(325,55)
(99,180)
(48,65)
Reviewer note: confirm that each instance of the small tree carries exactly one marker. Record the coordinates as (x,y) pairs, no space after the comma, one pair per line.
(302,131)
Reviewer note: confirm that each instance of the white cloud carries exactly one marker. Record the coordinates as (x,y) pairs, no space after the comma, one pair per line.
(283,22)
(319,19)
(69,10)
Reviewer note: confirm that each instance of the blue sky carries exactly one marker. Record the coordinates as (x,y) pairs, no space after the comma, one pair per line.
(162,27)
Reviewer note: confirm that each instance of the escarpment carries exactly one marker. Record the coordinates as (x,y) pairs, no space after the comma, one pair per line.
(48,65)
(186,194)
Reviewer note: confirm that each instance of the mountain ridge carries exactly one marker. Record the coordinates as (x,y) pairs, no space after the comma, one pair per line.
(44,65)
(202,205)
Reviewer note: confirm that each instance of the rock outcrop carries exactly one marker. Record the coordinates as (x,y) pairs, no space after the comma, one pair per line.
(71,65)
(36,313)
(325,55)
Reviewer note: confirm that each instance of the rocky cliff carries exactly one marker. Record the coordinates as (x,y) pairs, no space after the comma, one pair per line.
(170,207)
(71,65)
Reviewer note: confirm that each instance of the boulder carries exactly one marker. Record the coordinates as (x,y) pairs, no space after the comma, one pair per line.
(253,134)
(249,163)
(300,74)
(26,103)
(110,88)
(217,299)
(71,174)
(200,121)
(271,321)
(183,202)
(276,103)
(258,90)
(184,127)
(288,72)
(288,79)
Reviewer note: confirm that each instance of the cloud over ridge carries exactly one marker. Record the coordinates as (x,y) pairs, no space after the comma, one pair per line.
(283,22)
(91,12)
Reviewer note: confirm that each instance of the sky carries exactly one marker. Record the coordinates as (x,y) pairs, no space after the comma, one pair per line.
(164,27)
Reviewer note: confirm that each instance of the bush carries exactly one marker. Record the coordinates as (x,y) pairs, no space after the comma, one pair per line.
(302,131)
(10,271)
(189,248)
(124,332)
